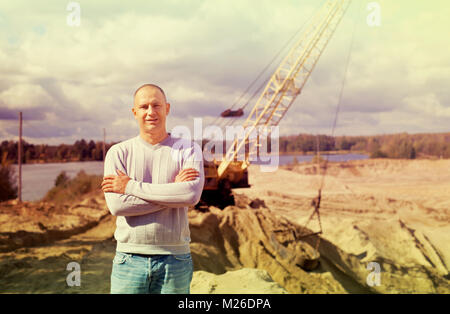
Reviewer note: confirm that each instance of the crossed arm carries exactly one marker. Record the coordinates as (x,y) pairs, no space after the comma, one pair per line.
(118,184)
(131,205)
(127,197)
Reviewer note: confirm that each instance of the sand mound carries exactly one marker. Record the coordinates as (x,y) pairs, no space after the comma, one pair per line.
(250,280)
(235,238)
(36,223)
(392,212)
(374,167)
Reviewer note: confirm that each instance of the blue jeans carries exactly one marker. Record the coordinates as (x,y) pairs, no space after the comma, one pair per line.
(133,273)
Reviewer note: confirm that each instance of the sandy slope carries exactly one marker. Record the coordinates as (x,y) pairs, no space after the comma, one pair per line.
(396,212)
(252,281)
(392,212)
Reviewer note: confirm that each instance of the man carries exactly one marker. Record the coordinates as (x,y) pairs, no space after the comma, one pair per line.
(150,180)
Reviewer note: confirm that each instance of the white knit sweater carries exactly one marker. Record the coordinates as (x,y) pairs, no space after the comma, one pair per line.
(152,214)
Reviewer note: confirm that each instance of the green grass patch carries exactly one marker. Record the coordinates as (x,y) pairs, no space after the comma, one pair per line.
(69,190)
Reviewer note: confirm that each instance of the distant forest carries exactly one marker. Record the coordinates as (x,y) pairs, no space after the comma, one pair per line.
(81,150)
(401,145)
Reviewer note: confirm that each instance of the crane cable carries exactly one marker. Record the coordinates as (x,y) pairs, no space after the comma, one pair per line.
(316,201)
(227,123)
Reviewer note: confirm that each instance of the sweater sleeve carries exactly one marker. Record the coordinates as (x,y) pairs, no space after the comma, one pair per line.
(179,194)
(123,204)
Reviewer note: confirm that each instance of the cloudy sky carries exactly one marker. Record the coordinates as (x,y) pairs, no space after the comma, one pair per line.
(72,81)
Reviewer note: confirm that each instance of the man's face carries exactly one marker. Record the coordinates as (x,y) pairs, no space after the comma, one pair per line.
(150,110)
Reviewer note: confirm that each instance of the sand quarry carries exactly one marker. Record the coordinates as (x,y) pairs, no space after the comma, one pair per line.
(394,213)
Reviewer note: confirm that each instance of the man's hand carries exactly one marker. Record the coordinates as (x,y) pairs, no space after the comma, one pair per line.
(115,184)
(188,174)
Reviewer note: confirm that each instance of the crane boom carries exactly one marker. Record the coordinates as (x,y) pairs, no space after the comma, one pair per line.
(288,80)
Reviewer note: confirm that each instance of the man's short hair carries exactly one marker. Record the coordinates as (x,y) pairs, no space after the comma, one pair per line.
(150,85)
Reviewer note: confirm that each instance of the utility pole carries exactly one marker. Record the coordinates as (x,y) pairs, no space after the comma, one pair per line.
(20,158)
(104,139)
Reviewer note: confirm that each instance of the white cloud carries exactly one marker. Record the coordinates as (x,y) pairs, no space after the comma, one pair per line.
(25,96)
(205,53)
(428,105)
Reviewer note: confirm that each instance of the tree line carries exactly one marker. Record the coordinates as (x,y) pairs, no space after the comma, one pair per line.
(81,150)
(402,145)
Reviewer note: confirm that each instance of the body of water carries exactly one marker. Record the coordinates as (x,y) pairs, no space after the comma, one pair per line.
(37,179)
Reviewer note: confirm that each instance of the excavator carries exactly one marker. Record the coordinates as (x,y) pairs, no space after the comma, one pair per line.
(279,93)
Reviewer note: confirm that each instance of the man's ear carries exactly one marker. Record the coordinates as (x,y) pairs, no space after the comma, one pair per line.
(167,108)
(133,110)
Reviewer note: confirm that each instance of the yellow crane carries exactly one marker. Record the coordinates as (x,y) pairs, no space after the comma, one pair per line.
(280,92)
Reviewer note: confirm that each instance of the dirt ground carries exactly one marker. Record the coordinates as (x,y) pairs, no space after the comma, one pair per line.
(395,213)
